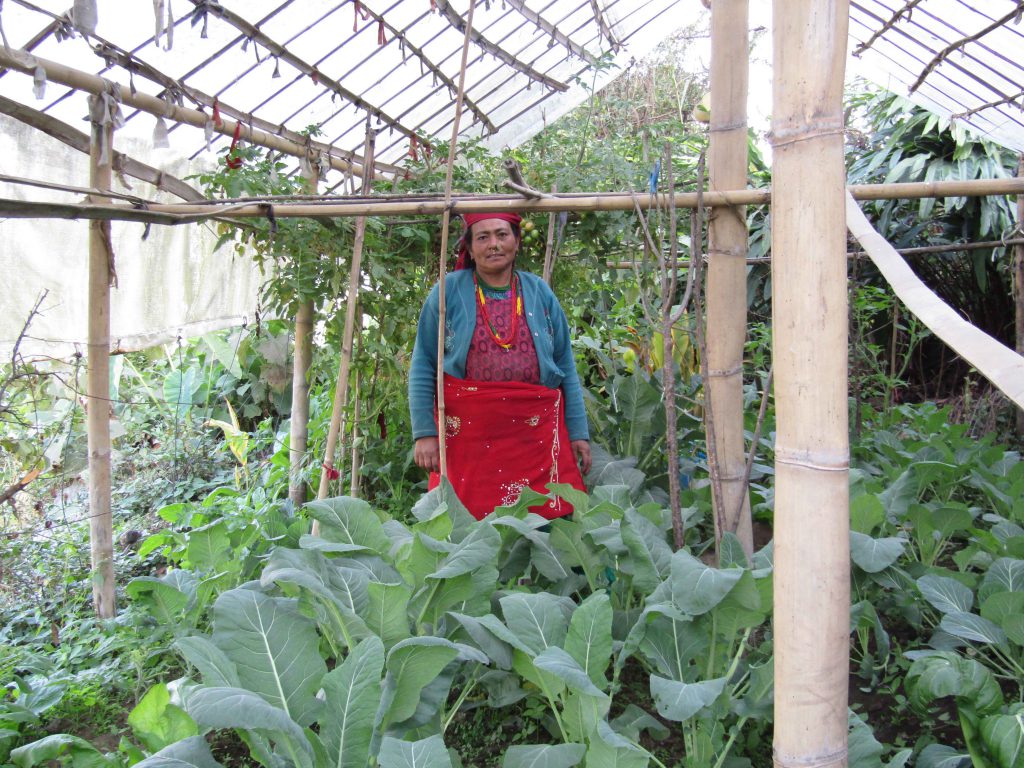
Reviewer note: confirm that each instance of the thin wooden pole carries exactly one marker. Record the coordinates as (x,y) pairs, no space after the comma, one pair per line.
(727,272)
(101,524)
(445,224)
(1018,286)
(809,350)
(351,304)
(669,317)
(302,362)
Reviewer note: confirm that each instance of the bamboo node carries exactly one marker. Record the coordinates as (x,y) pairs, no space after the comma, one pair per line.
(837,758)
(726,127)
(782,137)
(806,460)
(716,373)
(739,253)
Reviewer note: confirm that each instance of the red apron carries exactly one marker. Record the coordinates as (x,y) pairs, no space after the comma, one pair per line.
(502,437)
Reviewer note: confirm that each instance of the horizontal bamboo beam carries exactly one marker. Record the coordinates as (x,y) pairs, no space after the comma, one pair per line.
(82,81)
(180,213)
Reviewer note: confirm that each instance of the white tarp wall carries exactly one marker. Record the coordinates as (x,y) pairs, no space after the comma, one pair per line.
(172,284)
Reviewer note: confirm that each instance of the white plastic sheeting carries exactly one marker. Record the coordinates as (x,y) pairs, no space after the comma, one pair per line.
(172,284)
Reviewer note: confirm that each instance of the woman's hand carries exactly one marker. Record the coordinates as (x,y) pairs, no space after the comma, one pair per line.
(427,454)
(581,450)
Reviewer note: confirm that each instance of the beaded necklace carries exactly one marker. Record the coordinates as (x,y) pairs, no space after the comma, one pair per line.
(517,302)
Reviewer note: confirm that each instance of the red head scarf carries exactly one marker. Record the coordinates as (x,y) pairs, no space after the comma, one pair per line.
(469,219)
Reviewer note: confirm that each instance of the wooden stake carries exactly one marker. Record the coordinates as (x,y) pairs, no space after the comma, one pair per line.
(809,349)
(351,304)
(727,272)
(98,410)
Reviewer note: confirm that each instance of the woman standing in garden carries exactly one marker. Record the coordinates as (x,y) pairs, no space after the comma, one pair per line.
(514,412)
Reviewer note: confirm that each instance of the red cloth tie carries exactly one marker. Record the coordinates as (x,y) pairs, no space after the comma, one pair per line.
(234,161)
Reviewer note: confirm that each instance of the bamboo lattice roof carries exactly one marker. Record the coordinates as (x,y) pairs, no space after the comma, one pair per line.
(959,59)
(281,66)
(284,65)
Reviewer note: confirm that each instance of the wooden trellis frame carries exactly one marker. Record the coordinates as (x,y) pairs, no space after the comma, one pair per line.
(811,614)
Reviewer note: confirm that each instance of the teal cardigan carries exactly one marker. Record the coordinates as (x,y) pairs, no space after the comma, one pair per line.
(550,332)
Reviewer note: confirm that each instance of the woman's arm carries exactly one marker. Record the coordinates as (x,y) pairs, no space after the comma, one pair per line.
(423,370)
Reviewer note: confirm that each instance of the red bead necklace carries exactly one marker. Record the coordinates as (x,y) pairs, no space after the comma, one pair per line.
(517,302)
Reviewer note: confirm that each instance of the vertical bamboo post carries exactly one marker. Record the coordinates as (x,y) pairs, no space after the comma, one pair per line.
(727,270)
(1018,286)
(351,304)
(101,524)
(445,222)
(302,361)
(809,349)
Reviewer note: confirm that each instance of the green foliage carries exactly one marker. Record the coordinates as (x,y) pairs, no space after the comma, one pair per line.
(411,619)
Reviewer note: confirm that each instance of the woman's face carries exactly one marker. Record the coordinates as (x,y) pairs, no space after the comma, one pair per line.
(493,245)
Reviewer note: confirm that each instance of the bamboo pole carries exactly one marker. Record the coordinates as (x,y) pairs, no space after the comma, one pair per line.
(727,272)
(302,361)
(82,81)
(184,213)
(351,303)
(809,318)
(101,524)
(1018,286)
